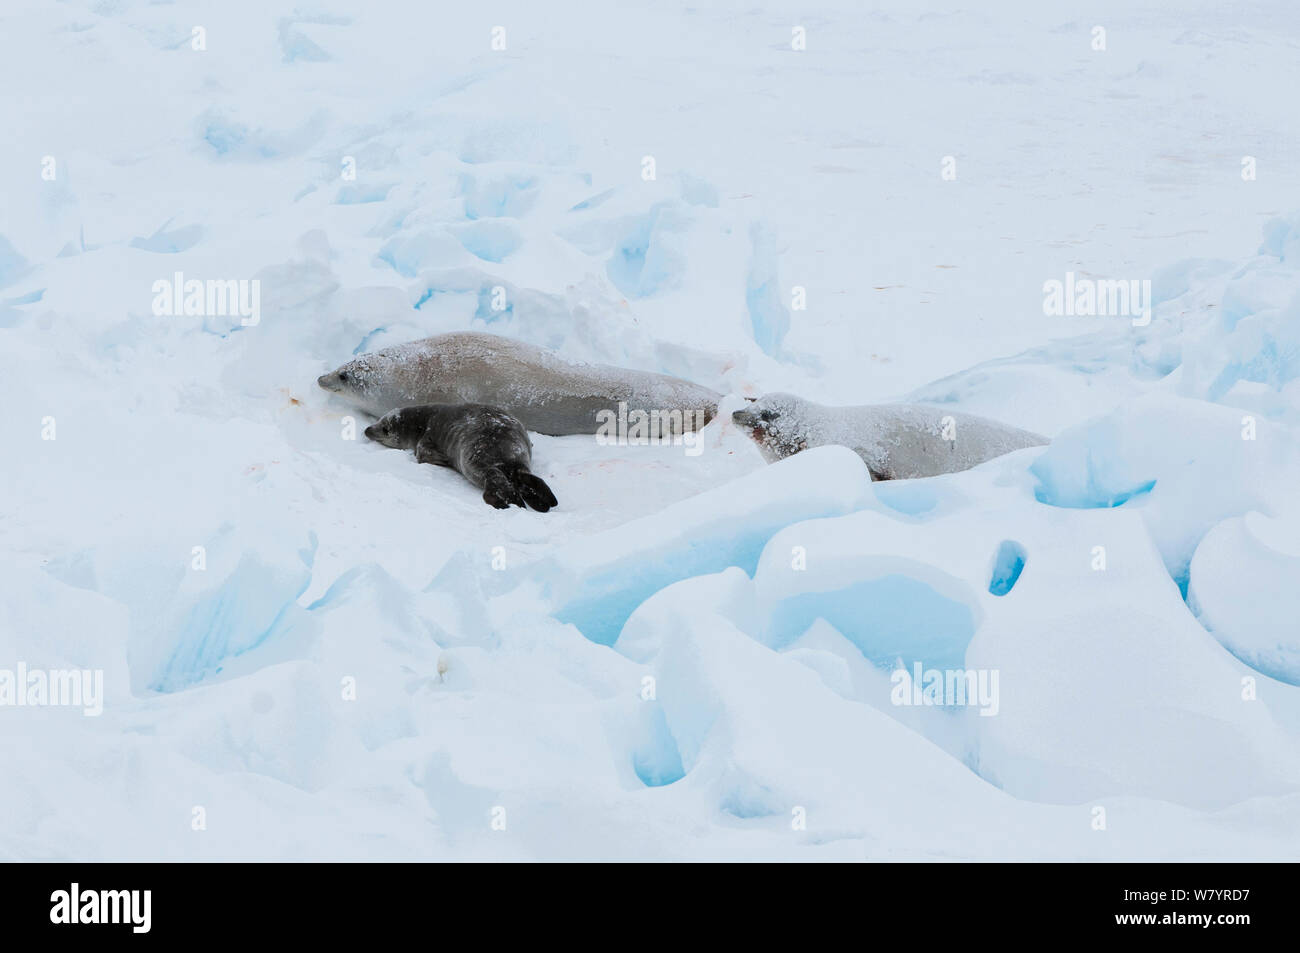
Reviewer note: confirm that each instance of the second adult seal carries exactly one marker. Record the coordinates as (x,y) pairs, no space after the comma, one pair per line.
(896,441)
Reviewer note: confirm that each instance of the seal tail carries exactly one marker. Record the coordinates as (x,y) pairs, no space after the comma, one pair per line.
(503,489)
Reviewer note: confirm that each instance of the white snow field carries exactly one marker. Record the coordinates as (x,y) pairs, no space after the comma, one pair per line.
(313,648)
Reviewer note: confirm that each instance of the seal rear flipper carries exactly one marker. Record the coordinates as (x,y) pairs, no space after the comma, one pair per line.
(534,491)
(500,491)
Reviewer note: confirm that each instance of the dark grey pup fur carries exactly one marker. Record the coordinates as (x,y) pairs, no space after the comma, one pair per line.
(486,445)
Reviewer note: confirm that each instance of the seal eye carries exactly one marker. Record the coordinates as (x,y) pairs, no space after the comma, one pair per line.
(767,415)
(343,375)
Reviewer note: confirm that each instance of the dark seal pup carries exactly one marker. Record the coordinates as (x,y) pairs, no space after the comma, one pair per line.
(484,444)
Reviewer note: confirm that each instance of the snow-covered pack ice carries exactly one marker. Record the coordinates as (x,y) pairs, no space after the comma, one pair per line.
(299,646)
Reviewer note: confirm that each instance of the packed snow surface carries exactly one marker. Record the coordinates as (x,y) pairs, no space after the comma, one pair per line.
(311,647)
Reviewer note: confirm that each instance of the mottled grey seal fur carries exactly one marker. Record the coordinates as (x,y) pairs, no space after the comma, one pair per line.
(897,441)
(484,444)
(548,395)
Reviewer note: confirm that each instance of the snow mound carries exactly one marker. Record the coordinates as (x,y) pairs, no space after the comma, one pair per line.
(597,584)
(1243,589)
(887,593)
(1184,464)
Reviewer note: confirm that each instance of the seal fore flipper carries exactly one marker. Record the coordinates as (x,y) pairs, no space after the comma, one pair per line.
(426,451)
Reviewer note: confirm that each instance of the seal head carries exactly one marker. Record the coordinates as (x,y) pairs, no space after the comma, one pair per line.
(372,382)
(401,429)
(777,422)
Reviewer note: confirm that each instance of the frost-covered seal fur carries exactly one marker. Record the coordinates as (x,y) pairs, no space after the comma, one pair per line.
(548,395)
(484,444)
(897,441)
